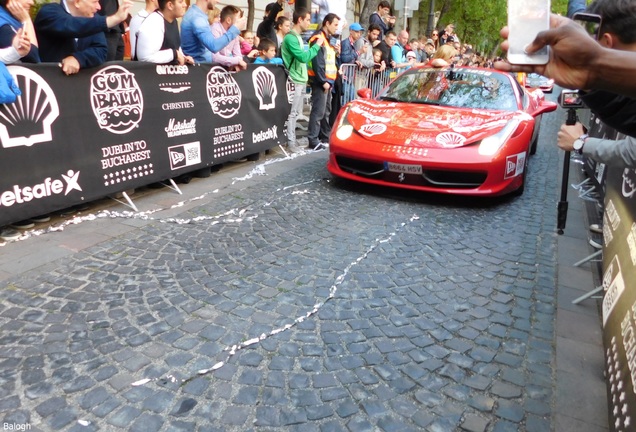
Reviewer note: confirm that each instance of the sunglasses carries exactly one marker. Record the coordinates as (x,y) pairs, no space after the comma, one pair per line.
(434,34)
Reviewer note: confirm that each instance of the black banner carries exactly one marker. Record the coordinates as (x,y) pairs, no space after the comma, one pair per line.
(619,301)
(73,139)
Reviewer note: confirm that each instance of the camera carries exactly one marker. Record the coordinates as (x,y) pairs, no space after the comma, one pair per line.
(570,99)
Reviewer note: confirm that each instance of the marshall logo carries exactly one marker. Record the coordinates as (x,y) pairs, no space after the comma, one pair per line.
(183,127)
(46,188)
(28,120)
(184,155)
(515,165)
(265,87)
(224,94)
(116,99)
(267,134)
(175,87)
(172,70)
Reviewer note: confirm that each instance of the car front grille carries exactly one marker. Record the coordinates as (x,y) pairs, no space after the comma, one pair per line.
(429,178)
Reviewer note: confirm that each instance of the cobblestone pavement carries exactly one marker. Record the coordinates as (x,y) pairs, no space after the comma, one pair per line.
(299,303)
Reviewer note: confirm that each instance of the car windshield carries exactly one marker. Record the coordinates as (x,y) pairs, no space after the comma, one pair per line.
(461,88)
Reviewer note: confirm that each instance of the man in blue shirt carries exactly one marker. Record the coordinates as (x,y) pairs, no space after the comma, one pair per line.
(398,52)
(197,40)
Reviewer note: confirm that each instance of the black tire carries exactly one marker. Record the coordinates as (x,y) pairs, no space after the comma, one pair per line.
(253,157)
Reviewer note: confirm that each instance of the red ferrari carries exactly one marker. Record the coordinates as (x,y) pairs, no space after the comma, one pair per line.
(461,131)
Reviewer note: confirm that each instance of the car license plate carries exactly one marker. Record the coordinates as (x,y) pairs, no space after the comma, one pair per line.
(403,168)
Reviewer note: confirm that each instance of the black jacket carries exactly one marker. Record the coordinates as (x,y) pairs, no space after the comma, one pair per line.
(616,111)
(266,28)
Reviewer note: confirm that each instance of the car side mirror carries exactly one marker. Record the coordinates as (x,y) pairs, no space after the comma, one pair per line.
(546,106)
(364,93)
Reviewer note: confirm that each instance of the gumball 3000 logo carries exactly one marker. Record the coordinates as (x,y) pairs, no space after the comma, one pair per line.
(116,99)
(224,94)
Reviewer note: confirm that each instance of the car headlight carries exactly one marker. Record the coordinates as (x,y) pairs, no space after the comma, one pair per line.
(344,130)
(491,145)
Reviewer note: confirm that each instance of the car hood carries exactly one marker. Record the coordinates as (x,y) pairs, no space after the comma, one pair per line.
(427,126)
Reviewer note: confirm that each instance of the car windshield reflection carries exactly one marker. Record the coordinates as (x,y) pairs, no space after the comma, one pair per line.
(461,88)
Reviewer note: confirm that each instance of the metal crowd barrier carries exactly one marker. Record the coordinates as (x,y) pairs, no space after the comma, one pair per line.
(355,78)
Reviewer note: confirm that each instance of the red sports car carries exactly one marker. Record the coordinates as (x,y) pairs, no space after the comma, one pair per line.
(461,131)
(534,80)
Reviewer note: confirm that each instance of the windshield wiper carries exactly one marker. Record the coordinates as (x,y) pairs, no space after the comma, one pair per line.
(389,99)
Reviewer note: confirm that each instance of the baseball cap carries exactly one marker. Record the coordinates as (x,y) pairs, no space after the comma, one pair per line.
(430,42)
(356,27)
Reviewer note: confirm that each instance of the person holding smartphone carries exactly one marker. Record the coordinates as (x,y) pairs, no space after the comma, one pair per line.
(382,18)
(615,32)
(576,60)
(14,15)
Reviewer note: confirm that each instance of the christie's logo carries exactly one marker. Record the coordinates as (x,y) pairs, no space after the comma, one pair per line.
(116,99)
(169,106)
(183,127)
(224,94)
(265,87)
(184,155)
(172,70)
(267,134)
(28,120)
(48,187)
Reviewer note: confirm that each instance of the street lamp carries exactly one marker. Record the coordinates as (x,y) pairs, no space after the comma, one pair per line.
(431,19)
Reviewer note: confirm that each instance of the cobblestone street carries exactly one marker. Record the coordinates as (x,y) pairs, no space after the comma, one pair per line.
(293,302)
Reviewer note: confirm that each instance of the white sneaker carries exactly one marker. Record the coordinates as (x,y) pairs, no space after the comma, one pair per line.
(9,234)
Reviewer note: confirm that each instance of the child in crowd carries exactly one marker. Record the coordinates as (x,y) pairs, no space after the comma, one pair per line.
(378,63)
(249,42)
(267,49)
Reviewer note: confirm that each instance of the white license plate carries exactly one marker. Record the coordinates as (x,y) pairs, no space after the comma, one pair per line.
(403,168)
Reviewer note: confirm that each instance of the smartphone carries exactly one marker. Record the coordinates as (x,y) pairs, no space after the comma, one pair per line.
(526,18)
(590,22)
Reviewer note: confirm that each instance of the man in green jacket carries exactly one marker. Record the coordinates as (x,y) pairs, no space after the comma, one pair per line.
(295,58)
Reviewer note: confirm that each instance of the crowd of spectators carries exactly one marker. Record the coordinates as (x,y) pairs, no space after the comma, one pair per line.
(80,34)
